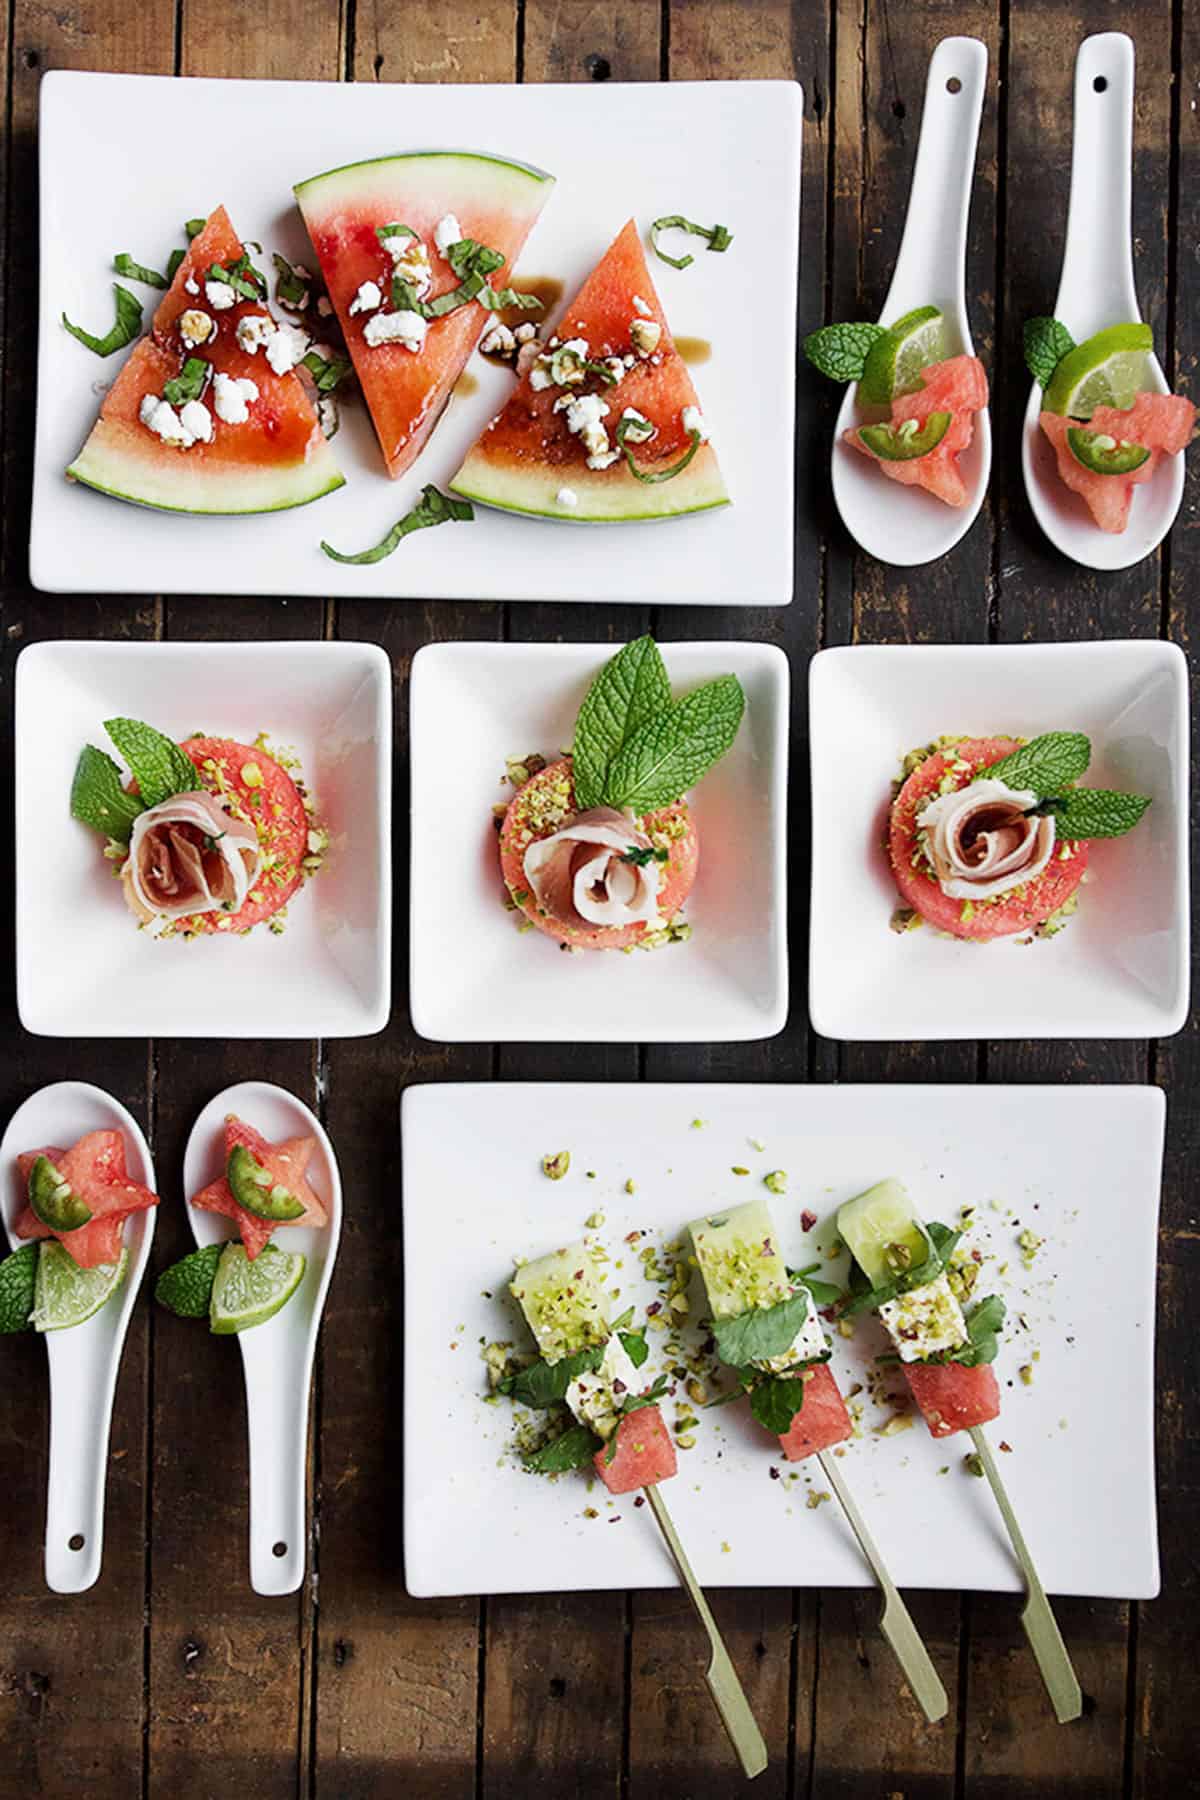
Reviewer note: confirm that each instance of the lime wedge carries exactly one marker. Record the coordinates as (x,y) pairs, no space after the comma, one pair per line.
(908,440)
(1106,370)
(1105,455)
(248,1293)
(895,360)
(64,1294)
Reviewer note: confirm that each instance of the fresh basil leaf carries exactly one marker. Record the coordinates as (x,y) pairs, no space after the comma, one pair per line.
(190,382)
(194,227)
(290,288)
(433,508)
(404,297)
(650,477)
(505,299)
(136,271)
(840,351)
(241,276)
(762,1332)
(383,232)
(1046,764)
(984,1322)
(1098,813)
(173,261)
(98,796)
(125,327)
(327,371)
(671,751)
(942,1244)
(716,236)
(1046,342)
(468,257)
(159,766)
(635,1346)
(543,1384)
(629,690)
(775,1401)
(573,1450)
(824,1293)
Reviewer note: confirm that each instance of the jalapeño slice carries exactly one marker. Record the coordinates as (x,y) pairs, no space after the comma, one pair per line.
(1105,455)
(906,441)
(256,1189)
(53,1200)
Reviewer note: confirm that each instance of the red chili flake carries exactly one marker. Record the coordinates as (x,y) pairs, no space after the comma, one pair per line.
(655,1306)
(616,1519)
(640,1501)
(807,1220)
(977,1256)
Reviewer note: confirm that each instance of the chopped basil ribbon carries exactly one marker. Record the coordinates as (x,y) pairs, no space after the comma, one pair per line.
(717,237)
(241,276)
(189,384)
(472,263)
(639,858)
(327,372)
(125,327)
(292,289)
(194,227)
(124,264)
(433,508)
(173,262)
(623,430)
(503,299)
(383,232)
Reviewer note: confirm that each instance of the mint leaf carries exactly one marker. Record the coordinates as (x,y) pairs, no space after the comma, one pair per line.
(840,351)
(670,752)
(159,766)
(125,327)
(136,271)
(762,1332)
(1047,764)
(825,1293)
(185,1288)
(194,227)
(942,1243)
(98,797)
(433,508)
(189,384)
(716,236)
(1046,343)
(543,1384)
(1098,813)
(573,1450)
(776,1400)
(628,691)
(18,1274)
(983,1324)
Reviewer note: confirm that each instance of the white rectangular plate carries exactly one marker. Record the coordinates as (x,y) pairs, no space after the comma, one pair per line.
(1120,969)
(1080,1166)
(473,976)
(713,151)
(83,967)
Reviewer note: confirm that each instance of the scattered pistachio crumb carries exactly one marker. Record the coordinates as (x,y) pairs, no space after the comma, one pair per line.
(594,1221)
(817,1497)
(629,1187)
(1026,1374)
(973,1464)
(737,1169)
(776,1182)
(556,1166)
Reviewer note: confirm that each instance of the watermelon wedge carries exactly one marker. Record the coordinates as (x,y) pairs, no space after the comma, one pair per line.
(644,1453)
(957,386)
(822,1421)
(286,1163)
(94,1168)
(953,1397)
(274,457)
(489,200)
(1162,423)
(533,457)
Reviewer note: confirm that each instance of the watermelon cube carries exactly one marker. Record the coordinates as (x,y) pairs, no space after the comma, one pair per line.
(644,1453)
(953,1397)
(822,1421)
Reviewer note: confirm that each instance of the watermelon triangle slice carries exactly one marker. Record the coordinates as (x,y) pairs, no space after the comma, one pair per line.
(529,460)
(485,198)
(276,456)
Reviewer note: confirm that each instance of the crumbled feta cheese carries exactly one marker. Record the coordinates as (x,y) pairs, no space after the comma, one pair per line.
(404,327)
(539,377)
(616,368)
(498,340)
(584,413)
(594,1398)
(220,295)
(566,497)
(447,231)
(639,429)
(808,1343)
(196,419)
(195,327)
(604,459)
(925,1320)
(526,333)
(369,298)
(410,261)
(693,420)
(158,416)
(324,306)
(285,348)
(639,305)
(231,398)
(254,330)
(192,287)
(644,335)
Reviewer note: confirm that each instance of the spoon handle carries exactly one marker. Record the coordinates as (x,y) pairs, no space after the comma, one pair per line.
(1097,287)
(727,1691)
(896,1621)
(930,269)
(82,1379)
(1041,1627)
(277,1393)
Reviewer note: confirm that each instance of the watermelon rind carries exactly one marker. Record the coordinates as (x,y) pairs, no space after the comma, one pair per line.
(603,497)
(353,183)
(165,481)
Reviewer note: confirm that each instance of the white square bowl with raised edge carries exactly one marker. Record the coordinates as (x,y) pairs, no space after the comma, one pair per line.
(1080,1166)
(473,976)
(1120,969)
(83,967)
(725,152)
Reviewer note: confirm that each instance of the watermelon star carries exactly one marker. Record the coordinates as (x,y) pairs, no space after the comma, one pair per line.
(93,1169)
(280,1191)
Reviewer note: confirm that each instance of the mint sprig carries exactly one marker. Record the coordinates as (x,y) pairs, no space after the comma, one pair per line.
(1047,764)
(628,691)
(125,327)
(669,753)
(1097,813)
(159,766)
(433,508)
(124,265)
(185,1287)
(1046,342)
(98,796)
(840,351)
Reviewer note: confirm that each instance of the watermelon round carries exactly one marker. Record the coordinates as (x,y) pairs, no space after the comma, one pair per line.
(277,458)
(525,822)
(953,1397)
(1163,423)
(95,1169)
(1018,910)
(527,457)
(822,1421)
(286,1163)
(644,1454)
(957,386)
(495,202)
(255,787)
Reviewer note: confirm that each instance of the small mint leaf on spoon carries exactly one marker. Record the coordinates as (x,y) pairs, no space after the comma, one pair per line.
(840,351)
(1046,343)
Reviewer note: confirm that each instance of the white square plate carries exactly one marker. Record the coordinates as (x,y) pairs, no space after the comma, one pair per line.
(1079,1165)
(714,151)
(83,967)
(473,976)
(1120,969)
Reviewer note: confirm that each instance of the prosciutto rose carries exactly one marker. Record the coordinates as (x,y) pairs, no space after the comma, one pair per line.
(189,855)
(982,839)
(599,870)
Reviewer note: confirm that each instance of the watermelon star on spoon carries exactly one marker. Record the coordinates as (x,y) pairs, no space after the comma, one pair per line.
(264,1185)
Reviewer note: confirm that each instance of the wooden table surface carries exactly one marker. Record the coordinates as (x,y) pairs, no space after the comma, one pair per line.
(171,1678)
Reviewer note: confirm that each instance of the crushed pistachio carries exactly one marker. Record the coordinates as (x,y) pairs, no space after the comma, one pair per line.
(973,1464)
(556,1166)
(817,1497)
(1026,1374)
(776,1182)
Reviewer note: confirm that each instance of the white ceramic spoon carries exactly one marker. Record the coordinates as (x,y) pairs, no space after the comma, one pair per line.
(83,1359)
(904,525)
(1096,289)
(277,1357)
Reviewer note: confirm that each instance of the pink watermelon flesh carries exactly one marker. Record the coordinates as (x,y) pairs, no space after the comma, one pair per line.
(957,386)
(286,1163)
(953,1397)
(644,1453)
(1164,423)
(95,1169)
(821,1422)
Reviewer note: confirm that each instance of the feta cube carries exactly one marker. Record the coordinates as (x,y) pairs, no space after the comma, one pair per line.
(447,231)
(369,298)
(595,1397)
(220,296)
(254,330)
(195,327)
(925,1320)
(404,327)
(197,421)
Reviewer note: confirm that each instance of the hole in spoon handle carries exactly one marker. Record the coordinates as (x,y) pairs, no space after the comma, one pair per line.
(1097,286)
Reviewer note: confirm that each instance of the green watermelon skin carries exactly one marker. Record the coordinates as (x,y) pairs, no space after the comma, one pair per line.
(953,1397)
(822,1421)
(644,1455)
